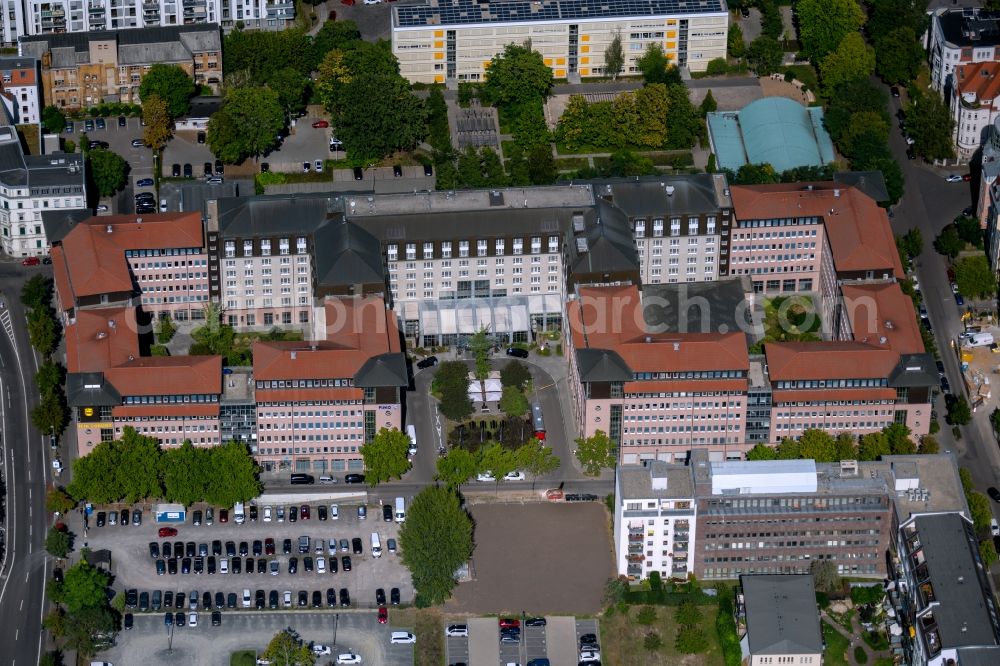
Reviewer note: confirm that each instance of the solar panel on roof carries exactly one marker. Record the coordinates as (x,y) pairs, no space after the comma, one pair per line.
(460,12)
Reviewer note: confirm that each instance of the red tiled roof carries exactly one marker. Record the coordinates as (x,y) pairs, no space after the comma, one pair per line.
(60,272)
(100,339)
(168,375)
(979,79)
(828,360)
(857,228)
(883,312)
(95,249)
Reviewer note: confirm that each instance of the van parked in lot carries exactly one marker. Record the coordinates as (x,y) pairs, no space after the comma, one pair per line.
(376,545)
(239,515)
(979,340)
(400,509)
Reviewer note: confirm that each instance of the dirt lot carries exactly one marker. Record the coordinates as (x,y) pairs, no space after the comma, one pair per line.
(537,558)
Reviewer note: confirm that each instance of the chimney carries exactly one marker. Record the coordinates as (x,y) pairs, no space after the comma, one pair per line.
(293,355)
(836,192)
(109,228)
(669,189)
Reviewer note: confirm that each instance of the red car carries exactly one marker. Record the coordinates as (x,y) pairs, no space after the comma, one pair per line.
(347,3)
(383,615)
(506,622)
(966,176)
(31,261)
(167,532)
(223,516)
(304,512)
(320,123)
(269,546)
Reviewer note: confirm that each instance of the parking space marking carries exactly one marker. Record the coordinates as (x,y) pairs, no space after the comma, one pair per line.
(456,649)
(535,643)
(586,627)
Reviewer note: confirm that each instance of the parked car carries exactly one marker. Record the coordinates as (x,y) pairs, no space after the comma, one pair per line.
(35,261)
(144,182)
(517,352)
(137,143)
(953,178)
(201,137)
(428,362)
(320,124)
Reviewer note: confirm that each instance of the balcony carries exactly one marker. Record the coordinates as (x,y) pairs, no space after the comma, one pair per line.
(681,546)
(635,557)
(682,534)
(682,525)
(634,570)
(679,569)
(635,547)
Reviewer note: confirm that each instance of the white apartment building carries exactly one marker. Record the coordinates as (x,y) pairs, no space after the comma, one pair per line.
(21,89)
(11,20)
(33,185)
(444,40)
(959,36)
(975,101)
(54,16)
(654,524)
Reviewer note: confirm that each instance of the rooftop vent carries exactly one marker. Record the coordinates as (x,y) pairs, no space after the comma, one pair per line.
(581,245)
(848,467)
(111,323)
(882,340)
(677,346)
(293,355)
(578,223)
(888,324)
(101,335)
(648,339)
(109,228)
(836,192)
(669,189)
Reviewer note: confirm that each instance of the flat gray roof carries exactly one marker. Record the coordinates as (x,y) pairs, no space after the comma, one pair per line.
(636,481)
(782,616)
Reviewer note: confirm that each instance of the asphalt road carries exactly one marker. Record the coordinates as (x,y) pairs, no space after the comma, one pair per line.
(25,471)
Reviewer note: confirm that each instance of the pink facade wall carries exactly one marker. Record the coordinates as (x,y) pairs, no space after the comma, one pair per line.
(858,418)
(918,419)
(172,431)
(176,284)
(778,253)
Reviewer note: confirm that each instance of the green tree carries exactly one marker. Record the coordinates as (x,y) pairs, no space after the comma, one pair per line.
(479,345)
(515,374)
(683,121)
(108,170)
(845,446)
(57,500)
(789,449)
(948,242)
(764,55)
(90,630)
(929,123)
(958,411)
(865,126)
(817,445)
(378,114)
(83,587)
(53,119)
(969,230)
(988,552)
(137,470)
(535,459)
(288,649)
(899,55)
(439,133)
(823,24)
(762,452)
(734,41)
(541,165)
(457,467)
(451,380)
(185,474)
(708,105)
(975,278)
(898,436)
(825,576)
(614,56)
(291,87)
(49,416)
(656,67)
(980,510)
(596,452)
(233,474)
(49,377)
(646,616)
(653,110)
(850,61)
(335,34)
(42,331)
(516,76)
(851,98)
(171,84)
(263,52)
(492,168)
(435,541)
(156,117)
(247,125)
(929,445)
(688,614)
(873,446)
(652,641)
(513,402)
(913,243)
(496,460)
(691,640)
(37,291)
(58,543)
(385,457)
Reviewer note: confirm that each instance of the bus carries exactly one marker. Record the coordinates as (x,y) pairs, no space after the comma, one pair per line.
(537,422)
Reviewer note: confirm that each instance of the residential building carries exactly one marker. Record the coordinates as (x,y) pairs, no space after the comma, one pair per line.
(987,207)
(46,17)
(454,40)
(21,90)
(960,36)
(974,106)
(654,522)
(773,130)
(11,20)
(942,594)
(81,69)
(30,186)
(102,273)
(318,402)
(780,618)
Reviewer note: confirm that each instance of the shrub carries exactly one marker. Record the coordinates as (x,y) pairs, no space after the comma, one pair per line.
(726,628)
(717,67)
(652,641)
(691,640)
(646,615)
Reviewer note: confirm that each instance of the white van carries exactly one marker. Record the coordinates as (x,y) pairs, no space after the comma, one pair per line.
(239,515)
(400,509)
(376,545)
(402,637)
(411,432)
(979,340)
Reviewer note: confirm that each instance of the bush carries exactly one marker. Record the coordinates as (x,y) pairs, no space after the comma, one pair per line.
(646,615)
(717,67)
(860,655)
(691,640)
(652,641)
(726,628)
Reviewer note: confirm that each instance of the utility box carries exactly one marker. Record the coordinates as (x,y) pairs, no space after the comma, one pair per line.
(169,513)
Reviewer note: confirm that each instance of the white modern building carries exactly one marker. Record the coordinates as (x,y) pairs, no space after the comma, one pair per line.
(445,40)
(33,185)
(975,101)
(654,526)
(959,36)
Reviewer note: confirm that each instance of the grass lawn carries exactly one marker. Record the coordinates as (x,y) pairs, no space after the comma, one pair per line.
(806,74)
(622,639)
(31,138)
(791,321)
(243,658)
(571,163)
(836,646)
(428,627)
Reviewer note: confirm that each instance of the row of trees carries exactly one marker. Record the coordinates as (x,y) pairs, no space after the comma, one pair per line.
(981,513)
(459,465)
(135,468)
(821,446)
(51,414)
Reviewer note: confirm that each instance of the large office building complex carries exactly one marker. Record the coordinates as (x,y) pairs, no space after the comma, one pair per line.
(453,40)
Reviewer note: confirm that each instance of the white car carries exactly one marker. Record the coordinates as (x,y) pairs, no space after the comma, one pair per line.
(321,650)
(267,514)
(246,598)
(192,619)
(910,140)
(348,658)
(331,548)
(224,565)
(334,512)
(373,2)
(485,476)
(458,630)
(401,636)
(994,527)
(320,565)
(590,655)
(514,476)
(954,178)
(286,599)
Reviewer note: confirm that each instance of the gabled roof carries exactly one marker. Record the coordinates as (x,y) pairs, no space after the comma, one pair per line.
(881,314)
(610,245)
(90,389)
(602,365)
(101,338)
(383,370)
(168,375)
(782,615)
(346,254)
(828,360)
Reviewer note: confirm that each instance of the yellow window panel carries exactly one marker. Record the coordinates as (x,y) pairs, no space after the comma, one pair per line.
(560,61)
(548,62)
(584,38)
(439,33)
(584,72)
(671,33)
(486,64)
(440,45)
(584,49)
(584,60)
(439,56)
(439,78)
(671,45)
(670,56)
(560,73)
(671,21)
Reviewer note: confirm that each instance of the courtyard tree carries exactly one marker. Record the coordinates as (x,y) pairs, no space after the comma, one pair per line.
(850,61)
(817,445)
(614,56)
(435,541)
(535,459)
(873,446)
(108,170)
(825,575)
(247,125)
(457,467)
(975,278)
(480,345)
(156,117)
(385,456)
(233,474)
(656,67)
(288,649)
(823,24)
(517,76)
(596,452)
(496,460)
(53,119)
(762,452)
(513,402)
(515,374)
(171,84)
(764,55)
(451,382)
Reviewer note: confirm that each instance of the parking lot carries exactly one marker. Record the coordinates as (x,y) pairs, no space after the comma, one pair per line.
(218,547)
(556,638)
(206,645)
